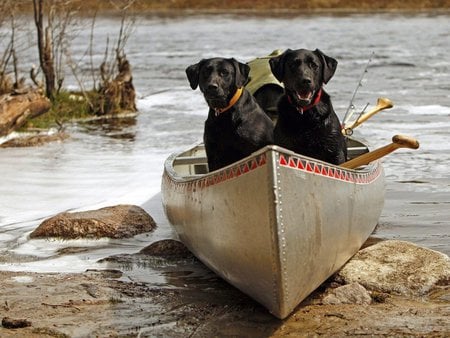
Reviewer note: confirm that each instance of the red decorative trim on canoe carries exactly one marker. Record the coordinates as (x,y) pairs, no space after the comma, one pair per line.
(317,168)
(253,165)
(222,175)
(301,165)
(283,160)
(262,161)
(363,177)
(245,169)
(237,171)
(292,163)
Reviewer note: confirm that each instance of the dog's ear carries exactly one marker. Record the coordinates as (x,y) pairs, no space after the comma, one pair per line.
(193,73)
(242,71)
(329,65)
(277,65)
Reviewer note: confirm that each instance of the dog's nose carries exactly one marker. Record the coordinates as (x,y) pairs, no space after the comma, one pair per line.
(212,86)
(212,89)
(306,81)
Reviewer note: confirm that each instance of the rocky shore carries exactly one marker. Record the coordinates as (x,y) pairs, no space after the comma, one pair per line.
(389,288)
(109,304)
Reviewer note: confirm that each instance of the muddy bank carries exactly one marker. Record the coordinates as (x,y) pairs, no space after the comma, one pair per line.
(194,302)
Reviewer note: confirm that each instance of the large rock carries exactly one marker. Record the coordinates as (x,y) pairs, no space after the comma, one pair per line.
(121,221)
(397,267)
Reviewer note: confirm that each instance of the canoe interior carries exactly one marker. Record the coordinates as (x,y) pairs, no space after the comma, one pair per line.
(191,162)
(194,162)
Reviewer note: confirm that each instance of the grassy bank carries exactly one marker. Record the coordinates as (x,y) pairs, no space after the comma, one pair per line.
(66,107)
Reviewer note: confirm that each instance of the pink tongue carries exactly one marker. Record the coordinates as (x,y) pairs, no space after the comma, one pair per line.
(306,95)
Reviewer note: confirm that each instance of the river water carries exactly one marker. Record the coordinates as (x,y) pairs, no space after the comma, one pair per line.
(104,164)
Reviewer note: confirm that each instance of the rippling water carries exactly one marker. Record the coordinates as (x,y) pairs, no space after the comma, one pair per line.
(107,164)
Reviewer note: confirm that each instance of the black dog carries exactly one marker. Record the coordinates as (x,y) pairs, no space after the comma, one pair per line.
(236,126)
(307,123)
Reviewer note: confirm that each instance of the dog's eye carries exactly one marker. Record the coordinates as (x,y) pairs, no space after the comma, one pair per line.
(224,72)
(313,65)
(294,65)
(206,71)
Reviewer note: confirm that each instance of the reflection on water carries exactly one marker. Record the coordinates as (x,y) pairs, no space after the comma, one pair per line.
(117,128)
(120,161)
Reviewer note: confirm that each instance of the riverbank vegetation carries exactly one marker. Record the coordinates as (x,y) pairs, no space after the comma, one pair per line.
(55,22)
(258,5)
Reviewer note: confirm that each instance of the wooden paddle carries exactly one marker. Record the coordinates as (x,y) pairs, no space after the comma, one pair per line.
(382,103)
(398,141)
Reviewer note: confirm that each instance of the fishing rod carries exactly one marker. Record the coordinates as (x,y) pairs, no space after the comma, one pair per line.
(351,108)
(382,103)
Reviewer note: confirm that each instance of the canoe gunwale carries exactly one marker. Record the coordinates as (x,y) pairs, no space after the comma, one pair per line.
(302,162)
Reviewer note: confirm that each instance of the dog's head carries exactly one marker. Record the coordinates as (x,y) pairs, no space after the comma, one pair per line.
(303,72)
(218,79)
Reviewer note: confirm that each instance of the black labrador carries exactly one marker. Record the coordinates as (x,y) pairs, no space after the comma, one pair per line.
(307,123)
(236,126)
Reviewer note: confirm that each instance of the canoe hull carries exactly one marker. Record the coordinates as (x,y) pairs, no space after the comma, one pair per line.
(276,224)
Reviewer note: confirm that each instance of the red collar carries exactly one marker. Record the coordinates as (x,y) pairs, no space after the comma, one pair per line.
(232,102)
(309,106)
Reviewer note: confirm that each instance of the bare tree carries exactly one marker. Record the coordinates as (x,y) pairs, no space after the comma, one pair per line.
(9,72)
(116,90)
(52,39)
(44,40)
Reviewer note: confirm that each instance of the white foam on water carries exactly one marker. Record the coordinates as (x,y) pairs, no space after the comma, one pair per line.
(427,110)
(175,101)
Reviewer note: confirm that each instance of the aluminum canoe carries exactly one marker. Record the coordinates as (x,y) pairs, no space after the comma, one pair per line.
(276,224)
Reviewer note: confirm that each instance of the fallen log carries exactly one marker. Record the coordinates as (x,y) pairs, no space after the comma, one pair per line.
(34,140)
(17,109)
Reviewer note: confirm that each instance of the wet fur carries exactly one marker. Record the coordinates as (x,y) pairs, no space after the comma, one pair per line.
(242,129)
(315,132)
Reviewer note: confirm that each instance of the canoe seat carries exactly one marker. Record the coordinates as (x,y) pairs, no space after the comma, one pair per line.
(356,151)
(190,160)
(191,165)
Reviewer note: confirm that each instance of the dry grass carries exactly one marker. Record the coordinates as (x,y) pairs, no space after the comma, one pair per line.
(257,5)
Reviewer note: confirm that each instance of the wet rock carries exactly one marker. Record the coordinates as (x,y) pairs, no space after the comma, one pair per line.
(397,267)
(167,248)
(121,221)
(379,297)
(104,273)
(353,293)
(10,323)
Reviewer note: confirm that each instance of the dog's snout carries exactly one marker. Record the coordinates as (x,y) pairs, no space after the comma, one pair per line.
(213,87)
(306,81)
